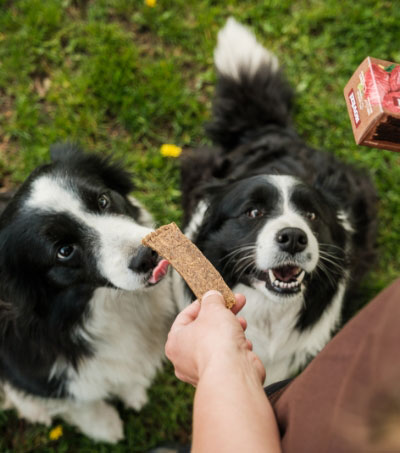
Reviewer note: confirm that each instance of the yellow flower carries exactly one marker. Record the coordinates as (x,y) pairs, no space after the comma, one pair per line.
(150,3)
(170,150)
(56,433)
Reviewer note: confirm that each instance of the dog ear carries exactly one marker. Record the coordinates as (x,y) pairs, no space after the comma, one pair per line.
(19,286)
(333,186)
(353,192)
(17,295)
(26,300)
(345,186)
(114,175)
(111,173)
(61,152)
(8,316)
(204,191)
(211,193)
(10,308)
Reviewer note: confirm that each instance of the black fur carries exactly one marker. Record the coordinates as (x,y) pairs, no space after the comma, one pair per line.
(44,301)
(238,105)
(252,130)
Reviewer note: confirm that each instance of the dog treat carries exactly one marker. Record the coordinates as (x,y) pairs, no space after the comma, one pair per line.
(373,101)
(169,242)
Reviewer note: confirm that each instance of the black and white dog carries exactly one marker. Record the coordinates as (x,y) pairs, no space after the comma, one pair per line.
(287,225)
(81,316)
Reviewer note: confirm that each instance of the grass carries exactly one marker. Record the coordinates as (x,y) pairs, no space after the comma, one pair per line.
(123,78)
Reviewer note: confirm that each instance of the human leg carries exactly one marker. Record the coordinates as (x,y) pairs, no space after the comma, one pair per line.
(348,396)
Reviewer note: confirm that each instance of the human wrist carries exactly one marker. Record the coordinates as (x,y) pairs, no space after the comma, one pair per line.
(239,363)
(230,393)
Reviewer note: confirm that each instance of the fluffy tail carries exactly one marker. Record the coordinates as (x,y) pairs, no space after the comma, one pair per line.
(251,91)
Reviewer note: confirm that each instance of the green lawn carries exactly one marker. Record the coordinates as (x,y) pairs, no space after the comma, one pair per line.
(123,78)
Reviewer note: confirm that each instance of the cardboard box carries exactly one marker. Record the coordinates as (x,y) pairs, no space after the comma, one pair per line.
(373,101)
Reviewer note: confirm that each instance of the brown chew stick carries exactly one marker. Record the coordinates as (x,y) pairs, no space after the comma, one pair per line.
(169,242)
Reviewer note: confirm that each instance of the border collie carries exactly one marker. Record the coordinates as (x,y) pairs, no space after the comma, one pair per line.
(84,310)
(287,225)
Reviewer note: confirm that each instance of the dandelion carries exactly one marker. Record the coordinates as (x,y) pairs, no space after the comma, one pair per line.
(56,433)
(170,150)
(150,3)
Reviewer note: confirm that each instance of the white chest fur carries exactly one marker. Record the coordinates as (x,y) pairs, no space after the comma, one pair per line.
(271,327)
(128,331)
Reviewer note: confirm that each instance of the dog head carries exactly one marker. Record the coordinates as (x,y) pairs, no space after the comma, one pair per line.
(70,229)
(274,233)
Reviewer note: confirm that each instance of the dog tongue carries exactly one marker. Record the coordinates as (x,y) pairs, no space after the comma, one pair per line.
(159,271)
(286,273)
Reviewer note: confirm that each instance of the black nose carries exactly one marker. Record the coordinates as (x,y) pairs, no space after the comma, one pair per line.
(291,240)
(144,260)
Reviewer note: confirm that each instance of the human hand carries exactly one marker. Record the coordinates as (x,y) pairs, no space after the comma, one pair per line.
(207,336)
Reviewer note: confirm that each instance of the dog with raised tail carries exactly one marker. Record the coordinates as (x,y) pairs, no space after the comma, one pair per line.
(287,225)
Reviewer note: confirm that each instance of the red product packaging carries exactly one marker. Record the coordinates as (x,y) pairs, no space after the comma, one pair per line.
(373,101)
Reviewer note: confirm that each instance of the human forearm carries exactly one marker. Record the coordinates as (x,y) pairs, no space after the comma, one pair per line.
(209,349)
(231,412)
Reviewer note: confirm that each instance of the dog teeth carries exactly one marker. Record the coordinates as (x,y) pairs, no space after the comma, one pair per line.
(300,277)
(285,285)
(272,278)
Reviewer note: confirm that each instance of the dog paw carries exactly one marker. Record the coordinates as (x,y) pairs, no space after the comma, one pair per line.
(135,399)
(30,408)
(108,426)
(99,420)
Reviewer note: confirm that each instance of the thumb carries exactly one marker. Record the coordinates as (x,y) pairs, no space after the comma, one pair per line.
(212,297)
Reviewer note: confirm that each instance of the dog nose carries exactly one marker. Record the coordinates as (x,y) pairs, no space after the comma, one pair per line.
(292,240)
(144,260)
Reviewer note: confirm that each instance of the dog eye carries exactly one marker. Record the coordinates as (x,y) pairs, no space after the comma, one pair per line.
(103,201)
(253,213)
(65,252)
(311,215)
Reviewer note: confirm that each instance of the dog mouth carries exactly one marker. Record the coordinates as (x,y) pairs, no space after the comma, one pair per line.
(158,273)
(285,279)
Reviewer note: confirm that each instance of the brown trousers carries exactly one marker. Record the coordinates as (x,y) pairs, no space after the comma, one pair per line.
(348,398)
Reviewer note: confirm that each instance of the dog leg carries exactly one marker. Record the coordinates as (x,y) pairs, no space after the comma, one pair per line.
(97,420)
(28,407)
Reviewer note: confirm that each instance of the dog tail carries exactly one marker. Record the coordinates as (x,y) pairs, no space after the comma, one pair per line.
(251,93)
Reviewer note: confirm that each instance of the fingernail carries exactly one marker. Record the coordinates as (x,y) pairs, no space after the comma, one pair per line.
(212,292)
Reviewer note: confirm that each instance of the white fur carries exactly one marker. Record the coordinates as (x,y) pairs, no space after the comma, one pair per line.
(128,331)
(96,419)
(196,220)
(271,319)
(267,249)
(127,328)
(238,50)
(282,349)
(118,236)
(344,220)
